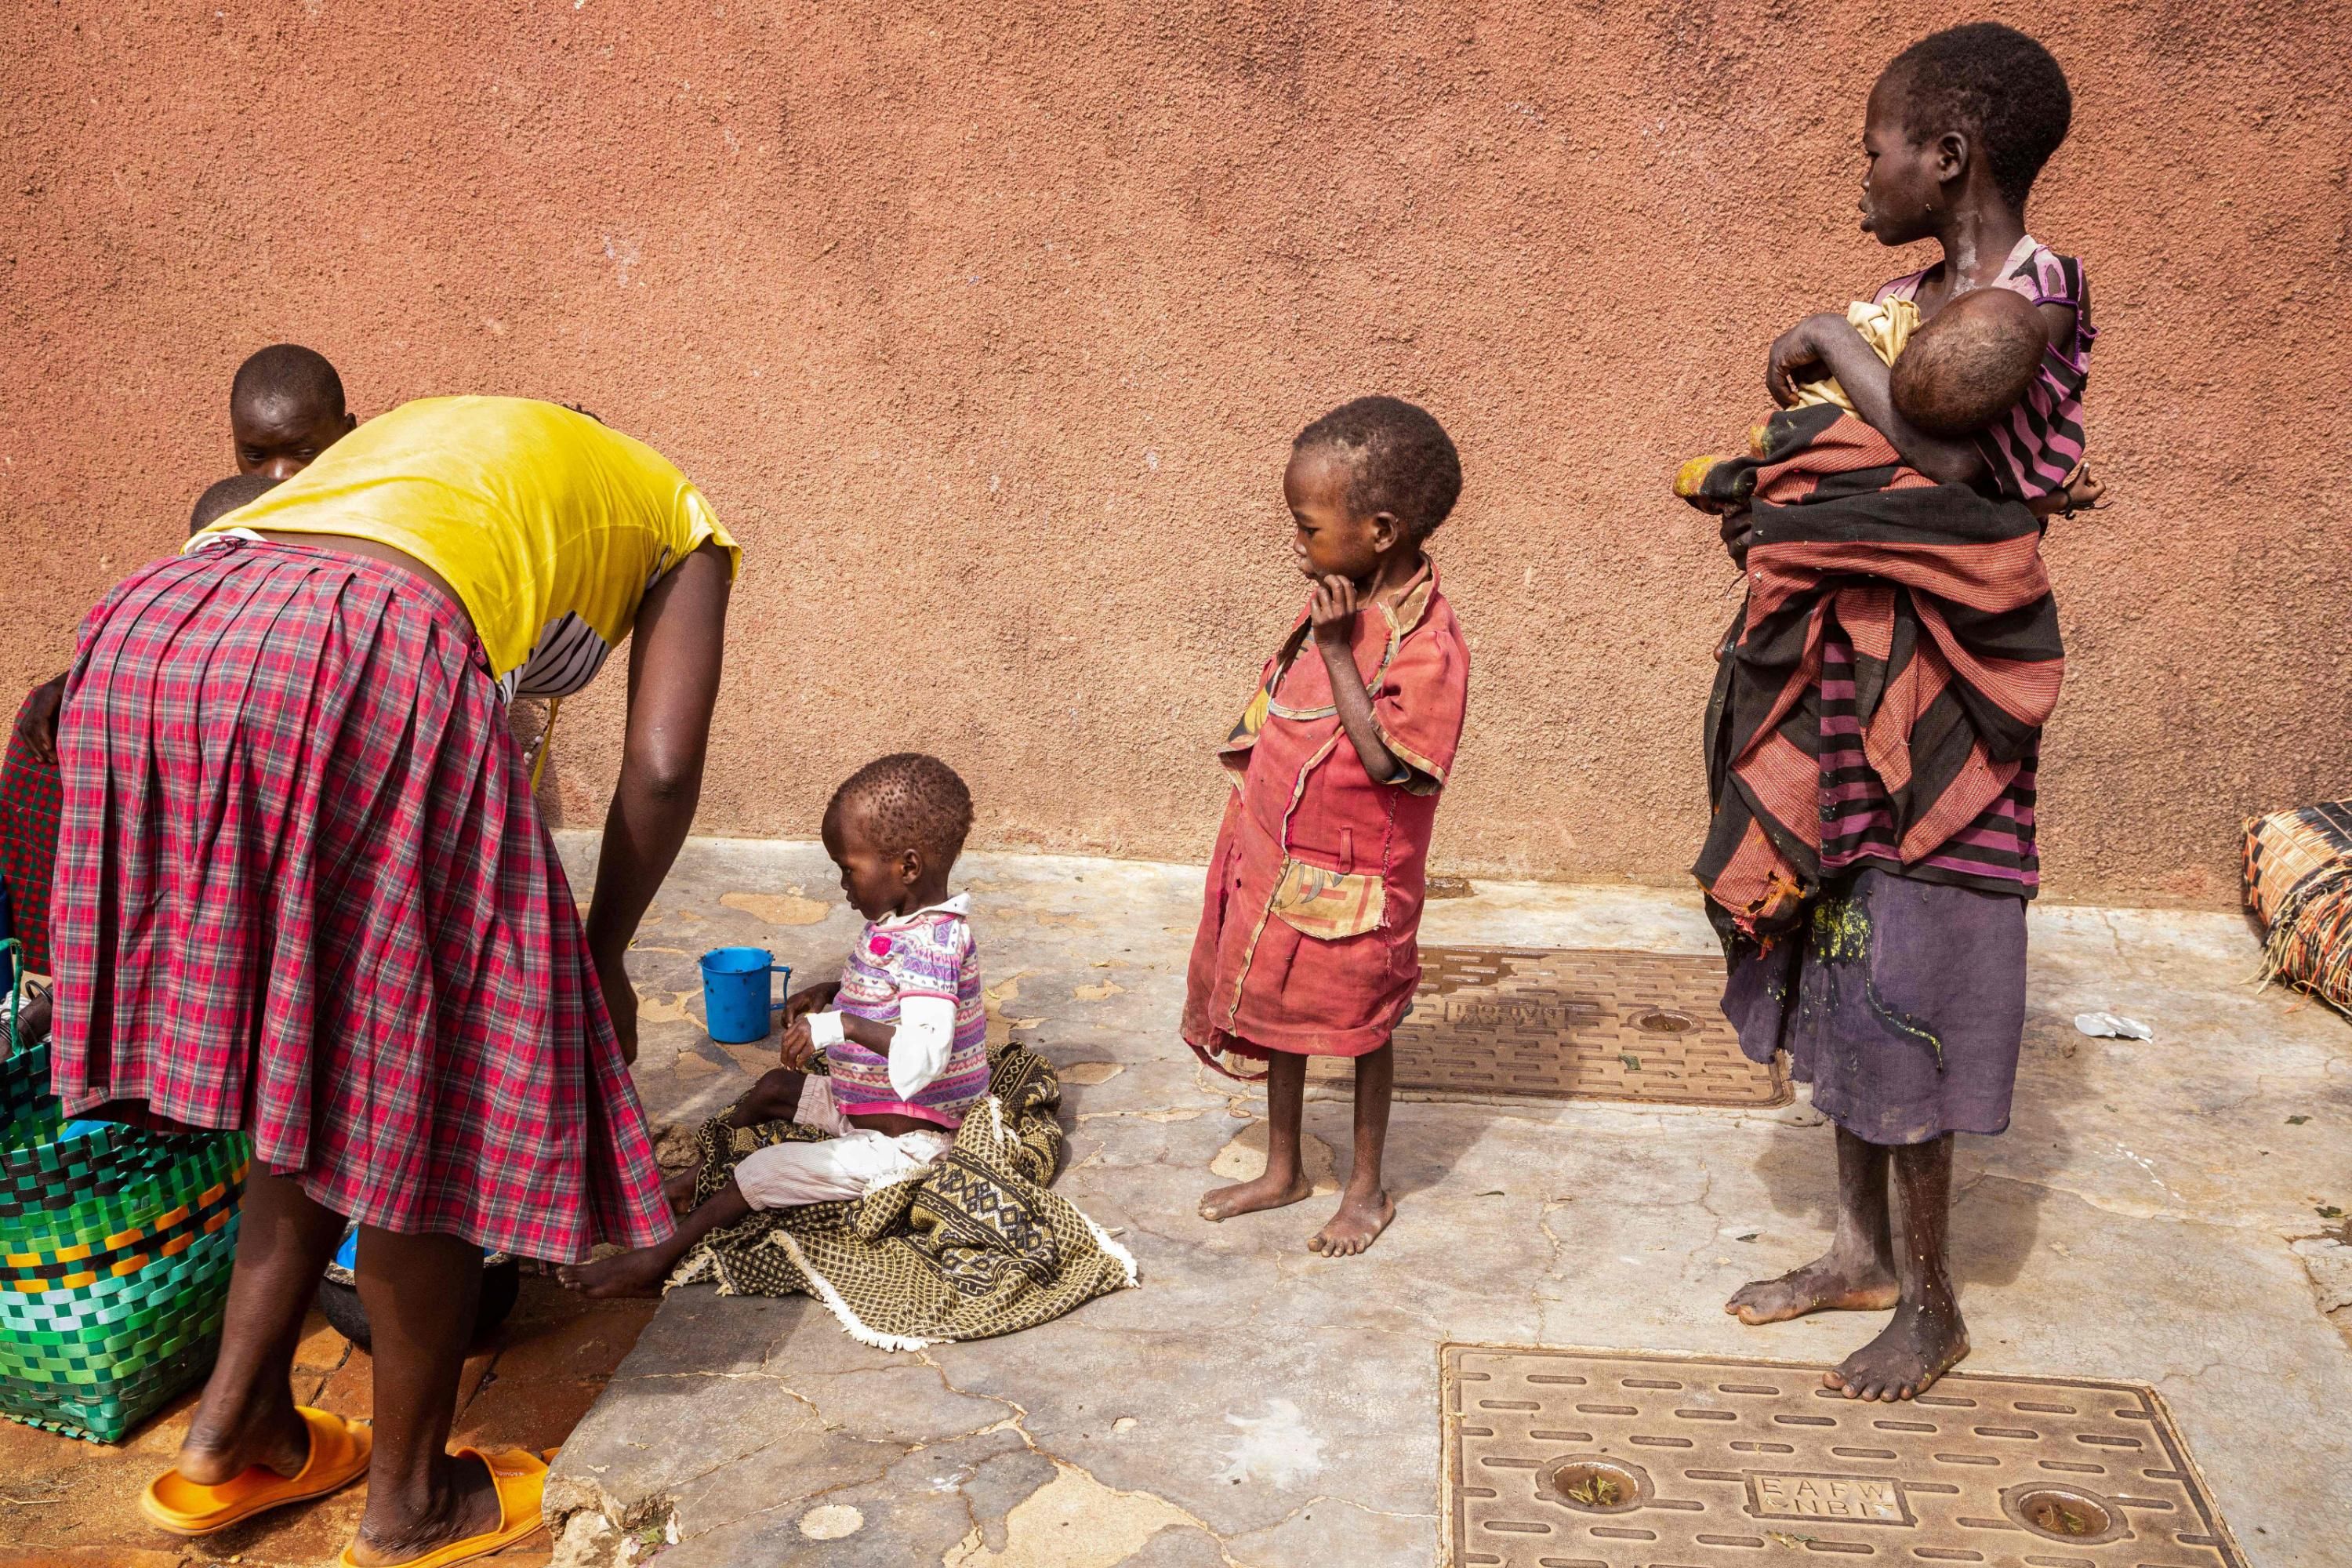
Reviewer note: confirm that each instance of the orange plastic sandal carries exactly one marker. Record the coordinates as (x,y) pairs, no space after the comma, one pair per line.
(521,1477)
(339,1455)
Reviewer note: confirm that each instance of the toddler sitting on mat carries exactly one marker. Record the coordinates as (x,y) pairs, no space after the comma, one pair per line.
(903,1032)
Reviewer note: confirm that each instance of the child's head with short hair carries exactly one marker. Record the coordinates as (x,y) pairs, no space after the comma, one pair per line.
(1971,364)
(1981,96)
(285,407)
(895,828)
(1370,479)
(223,497)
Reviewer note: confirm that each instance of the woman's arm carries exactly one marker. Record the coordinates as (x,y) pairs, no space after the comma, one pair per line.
(675,655)
(1830,342)
(37,722)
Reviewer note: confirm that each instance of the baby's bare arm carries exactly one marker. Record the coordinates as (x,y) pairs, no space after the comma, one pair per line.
(1830,341)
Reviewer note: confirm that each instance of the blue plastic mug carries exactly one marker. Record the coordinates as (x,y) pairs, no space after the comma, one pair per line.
(736,990)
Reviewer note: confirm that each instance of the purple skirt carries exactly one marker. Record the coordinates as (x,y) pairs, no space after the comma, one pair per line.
(1902,1003)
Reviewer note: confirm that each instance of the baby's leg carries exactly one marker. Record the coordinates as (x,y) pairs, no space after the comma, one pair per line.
(1365,1209)
(1857,1273)
(775,1098)
(778,1176)
(643,1271)
(1926,1336)
(1285,1181)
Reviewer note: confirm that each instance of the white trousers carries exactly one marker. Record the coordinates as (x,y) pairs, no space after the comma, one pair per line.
(850,1163)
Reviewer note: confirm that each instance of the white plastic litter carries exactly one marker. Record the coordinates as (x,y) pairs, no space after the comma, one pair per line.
(2113,1027)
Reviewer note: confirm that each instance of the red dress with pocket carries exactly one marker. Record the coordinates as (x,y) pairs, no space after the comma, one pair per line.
(1309,924)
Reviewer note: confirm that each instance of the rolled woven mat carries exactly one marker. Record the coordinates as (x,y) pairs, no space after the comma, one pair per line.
(2299,886)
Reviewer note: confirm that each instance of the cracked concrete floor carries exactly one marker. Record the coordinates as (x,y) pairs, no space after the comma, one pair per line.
(1251,1404)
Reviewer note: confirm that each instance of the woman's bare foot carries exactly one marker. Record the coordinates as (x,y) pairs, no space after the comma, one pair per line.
(1267,1191)
(464,1504)
(1905,1360)
(639,1273)
(1362,1218)
(1827,1284)
(278,1440)
(679,1189)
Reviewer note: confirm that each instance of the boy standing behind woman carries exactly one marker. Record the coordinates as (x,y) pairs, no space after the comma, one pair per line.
(1307,939)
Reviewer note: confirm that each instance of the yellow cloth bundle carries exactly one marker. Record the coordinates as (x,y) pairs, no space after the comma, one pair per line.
(1884,327)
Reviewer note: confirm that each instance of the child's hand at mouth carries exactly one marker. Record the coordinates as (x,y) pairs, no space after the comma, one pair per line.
(1333,609)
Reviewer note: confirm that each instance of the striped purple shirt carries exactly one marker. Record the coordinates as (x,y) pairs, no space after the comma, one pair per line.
(1993,854)
(2033,451)
(929,953)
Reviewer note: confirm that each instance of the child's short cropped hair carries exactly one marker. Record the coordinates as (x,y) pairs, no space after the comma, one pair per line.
(1404,463)
(2002,88)
(1969,365)
(914,801)
(287,375)
(223,497)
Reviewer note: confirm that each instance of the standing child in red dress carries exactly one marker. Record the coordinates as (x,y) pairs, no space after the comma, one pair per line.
(1307,941)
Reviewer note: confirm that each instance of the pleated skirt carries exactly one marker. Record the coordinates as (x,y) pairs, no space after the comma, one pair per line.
(302,891)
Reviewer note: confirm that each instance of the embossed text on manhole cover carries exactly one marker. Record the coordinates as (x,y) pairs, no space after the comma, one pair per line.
(1558,1458)
(1573,1024)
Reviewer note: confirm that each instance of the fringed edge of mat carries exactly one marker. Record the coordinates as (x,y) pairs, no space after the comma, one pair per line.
(2324,895)
(855,1326)
(1112,1250)
(698,1264)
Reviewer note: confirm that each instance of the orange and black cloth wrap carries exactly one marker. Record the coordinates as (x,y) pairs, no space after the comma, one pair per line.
(1941,593)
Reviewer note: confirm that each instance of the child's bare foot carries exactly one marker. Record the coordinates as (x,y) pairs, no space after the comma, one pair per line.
(1905,1360)
(1267,1191)
(1362,1218)
(679,1189)
(1828,1284)
(638,1273)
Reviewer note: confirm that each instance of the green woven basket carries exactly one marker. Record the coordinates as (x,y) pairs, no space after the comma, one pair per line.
(115,1246)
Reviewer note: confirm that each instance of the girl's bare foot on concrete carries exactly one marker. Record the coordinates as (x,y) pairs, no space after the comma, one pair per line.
(1831,1283)
(639,1273)
(1903,1363)
(1362,1218)
(1270,1191)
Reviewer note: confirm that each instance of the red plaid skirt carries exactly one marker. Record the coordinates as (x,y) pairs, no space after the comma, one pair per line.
(303,889)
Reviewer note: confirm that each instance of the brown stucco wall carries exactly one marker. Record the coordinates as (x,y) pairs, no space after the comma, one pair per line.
(987,328)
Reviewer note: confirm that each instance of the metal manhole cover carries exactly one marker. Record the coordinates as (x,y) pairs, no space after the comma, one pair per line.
(1573,1024)
(1558,1458)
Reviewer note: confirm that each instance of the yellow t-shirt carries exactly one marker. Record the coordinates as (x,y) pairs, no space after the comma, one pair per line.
(549,526)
